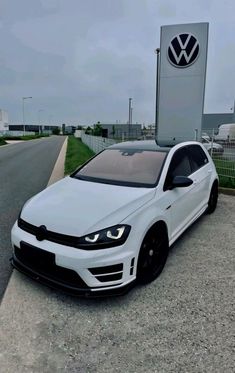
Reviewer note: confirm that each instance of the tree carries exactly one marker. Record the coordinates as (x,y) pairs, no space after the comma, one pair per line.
(97,129)
(88,131)
(56,131)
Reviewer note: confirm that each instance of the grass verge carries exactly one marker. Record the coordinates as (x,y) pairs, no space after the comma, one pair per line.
(226,169)
(77,154)
(25,138)
(227,182)
(2,141)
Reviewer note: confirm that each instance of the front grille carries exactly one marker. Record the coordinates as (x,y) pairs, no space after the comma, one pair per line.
(59,238)
(43,262)
(108,273)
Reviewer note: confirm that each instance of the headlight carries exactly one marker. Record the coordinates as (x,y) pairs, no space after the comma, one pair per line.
(109,237)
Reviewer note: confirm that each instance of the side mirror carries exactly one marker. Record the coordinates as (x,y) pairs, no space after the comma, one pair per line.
(181,182)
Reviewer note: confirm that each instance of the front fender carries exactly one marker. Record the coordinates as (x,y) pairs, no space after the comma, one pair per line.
(144,218)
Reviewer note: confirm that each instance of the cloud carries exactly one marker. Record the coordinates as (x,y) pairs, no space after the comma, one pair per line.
(82,60)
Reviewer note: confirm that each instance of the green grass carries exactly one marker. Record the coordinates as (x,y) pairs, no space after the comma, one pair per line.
(2,141)
(227,182)
(225,167)
(77,154)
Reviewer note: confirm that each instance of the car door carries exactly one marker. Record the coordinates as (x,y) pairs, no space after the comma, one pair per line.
(182,201)
(201,175)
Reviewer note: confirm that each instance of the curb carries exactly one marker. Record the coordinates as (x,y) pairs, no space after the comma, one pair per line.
(58,170)
(228,191)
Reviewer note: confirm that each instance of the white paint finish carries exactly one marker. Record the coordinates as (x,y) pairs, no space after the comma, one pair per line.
(76,207)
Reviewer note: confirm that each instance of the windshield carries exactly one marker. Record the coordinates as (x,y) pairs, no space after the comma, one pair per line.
(128,167)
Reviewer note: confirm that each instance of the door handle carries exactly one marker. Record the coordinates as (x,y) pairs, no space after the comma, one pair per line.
(209,171)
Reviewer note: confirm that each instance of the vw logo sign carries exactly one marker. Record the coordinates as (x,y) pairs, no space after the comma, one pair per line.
(41,233)
(183,50)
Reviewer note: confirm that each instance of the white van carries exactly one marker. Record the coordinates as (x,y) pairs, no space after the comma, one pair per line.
(226,132)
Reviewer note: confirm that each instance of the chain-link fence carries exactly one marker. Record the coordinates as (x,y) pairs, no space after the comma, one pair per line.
(221,151)
(97,143)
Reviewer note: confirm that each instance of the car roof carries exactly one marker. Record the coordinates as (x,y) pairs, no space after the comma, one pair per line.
(140,145)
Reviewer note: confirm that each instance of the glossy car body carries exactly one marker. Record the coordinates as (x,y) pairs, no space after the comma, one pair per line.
(54,237)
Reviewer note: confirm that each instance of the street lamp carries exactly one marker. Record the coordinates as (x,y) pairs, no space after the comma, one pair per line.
(23,99)
(157,51)
(130,117)
(39,121)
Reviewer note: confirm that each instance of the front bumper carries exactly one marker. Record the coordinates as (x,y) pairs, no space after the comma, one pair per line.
(77,272)
(87,293)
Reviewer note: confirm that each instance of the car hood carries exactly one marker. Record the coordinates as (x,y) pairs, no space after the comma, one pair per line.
(75,207)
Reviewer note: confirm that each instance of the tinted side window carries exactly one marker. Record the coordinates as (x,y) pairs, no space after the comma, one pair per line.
(179,166)
(198,157)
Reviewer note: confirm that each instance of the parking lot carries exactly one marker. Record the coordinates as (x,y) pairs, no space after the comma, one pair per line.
(182,322)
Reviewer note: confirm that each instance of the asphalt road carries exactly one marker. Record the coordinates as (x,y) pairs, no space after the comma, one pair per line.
(25,169)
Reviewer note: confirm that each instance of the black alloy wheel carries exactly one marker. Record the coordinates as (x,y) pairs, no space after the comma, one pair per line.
(212,203)
(153,255)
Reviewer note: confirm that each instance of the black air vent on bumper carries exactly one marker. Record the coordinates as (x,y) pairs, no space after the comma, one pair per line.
(108,273)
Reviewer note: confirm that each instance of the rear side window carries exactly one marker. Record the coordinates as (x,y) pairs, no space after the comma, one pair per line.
(198,157)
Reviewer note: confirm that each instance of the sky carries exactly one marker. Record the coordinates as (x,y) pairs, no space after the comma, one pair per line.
(81,60)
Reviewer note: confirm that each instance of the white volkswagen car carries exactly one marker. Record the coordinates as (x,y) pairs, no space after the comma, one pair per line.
(111,222)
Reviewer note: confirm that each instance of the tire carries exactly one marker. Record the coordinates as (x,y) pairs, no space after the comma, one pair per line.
(153,254)
(212,203)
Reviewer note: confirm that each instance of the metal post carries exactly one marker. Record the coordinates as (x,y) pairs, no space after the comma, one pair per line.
(234,111)
(39,120)
(24,98)
(23,116)
(212,141)
(157,51)
(129,120)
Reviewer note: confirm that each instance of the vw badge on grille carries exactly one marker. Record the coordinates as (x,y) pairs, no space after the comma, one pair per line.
(41,233)
(183,50)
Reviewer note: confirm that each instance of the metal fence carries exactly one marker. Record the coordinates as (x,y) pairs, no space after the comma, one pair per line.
(97,143)
(222,152)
